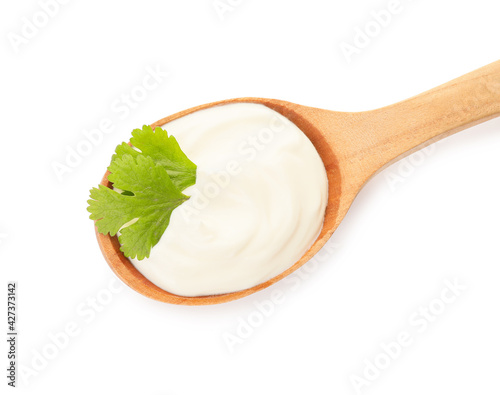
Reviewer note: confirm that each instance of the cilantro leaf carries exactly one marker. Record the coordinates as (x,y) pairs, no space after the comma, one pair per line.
(164,150)
(151,202)
(149,181)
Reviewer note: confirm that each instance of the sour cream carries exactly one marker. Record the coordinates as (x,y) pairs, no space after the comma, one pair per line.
(257,206)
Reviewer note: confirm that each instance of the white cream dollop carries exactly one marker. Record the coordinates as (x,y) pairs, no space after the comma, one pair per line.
(257,206)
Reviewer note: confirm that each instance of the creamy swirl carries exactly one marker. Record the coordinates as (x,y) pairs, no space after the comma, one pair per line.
(257,206)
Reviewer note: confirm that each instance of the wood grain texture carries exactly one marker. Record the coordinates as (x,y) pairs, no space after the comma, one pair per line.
(354,147)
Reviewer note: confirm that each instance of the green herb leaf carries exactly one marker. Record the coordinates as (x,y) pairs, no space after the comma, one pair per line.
(164,150)
(150,199)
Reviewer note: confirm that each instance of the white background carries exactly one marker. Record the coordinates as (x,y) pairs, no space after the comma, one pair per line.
(394,251)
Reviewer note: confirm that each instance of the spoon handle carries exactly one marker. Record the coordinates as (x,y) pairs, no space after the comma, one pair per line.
(402,128)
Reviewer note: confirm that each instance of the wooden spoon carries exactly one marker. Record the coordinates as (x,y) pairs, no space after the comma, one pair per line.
(354,147)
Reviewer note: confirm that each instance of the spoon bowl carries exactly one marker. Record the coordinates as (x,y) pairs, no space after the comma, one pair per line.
(354,146)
